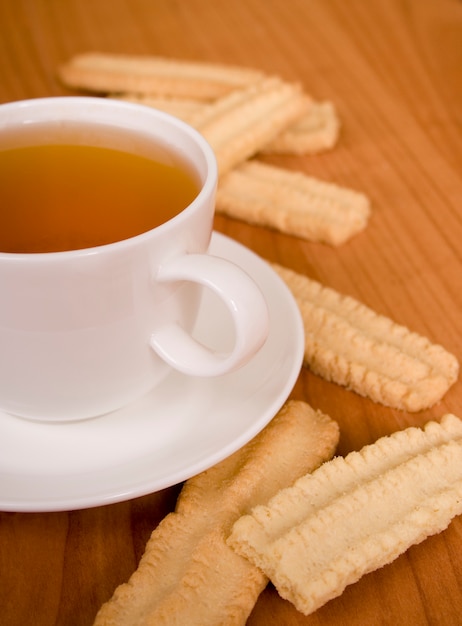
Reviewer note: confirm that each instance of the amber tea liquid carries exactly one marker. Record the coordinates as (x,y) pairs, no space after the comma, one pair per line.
(71,188)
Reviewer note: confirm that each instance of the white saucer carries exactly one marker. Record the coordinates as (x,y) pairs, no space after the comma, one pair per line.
(180,429)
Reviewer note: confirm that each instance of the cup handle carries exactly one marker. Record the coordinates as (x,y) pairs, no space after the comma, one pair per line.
(244,301)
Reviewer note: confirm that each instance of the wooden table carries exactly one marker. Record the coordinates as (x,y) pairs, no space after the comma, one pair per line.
(393,68)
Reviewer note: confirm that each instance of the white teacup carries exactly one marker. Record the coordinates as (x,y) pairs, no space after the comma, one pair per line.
(84,332)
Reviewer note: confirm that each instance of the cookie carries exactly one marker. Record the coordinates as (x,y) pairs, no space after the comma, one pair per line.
(317,131)
(188,574)
(114,73)
(292,203)
(348,343)
(239,125)
(355,514)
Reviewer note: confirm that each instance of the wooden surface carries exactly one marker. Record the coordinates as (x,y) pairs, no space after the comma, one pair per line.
(393,68)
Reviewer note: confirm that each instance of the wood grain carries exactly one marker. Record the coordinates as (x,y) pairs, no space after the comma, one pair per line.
(393,70)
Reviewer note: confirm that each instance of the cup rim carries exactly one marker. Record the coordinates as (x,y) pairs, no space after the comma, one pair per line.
(77,102)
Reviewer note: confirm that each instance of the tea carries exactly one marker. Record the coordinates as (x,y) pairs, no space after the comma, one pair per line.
(66,190)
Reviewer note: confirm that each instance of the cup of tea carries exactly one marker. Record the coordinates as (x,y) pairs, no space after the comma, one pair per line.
(106,214)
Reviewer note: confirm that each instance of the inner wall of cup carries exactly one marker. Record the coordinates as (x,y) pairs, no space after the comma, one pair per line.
(100,122)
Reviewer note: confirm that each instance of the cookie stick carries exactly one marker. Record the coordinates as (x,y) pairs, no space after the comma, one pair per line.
(355,514)
(293,203)
(188,575)
(348,343)
(241,124)
(315,131)
(105,73)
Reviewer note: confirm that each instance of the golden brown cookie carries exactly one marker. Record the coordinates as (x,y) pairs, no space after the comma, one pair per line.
(351,345)
(188,574)
(113,73)
(318,130)
(239,125)
(355,514)
(293,203)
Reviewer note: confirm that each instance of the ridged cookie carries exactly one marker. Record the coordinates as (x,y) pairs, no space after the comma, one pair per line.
(351,345)
(293,203)
(318,130)
(187,109)
(112,73)
(239,125)
(188,574)
(355,514)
